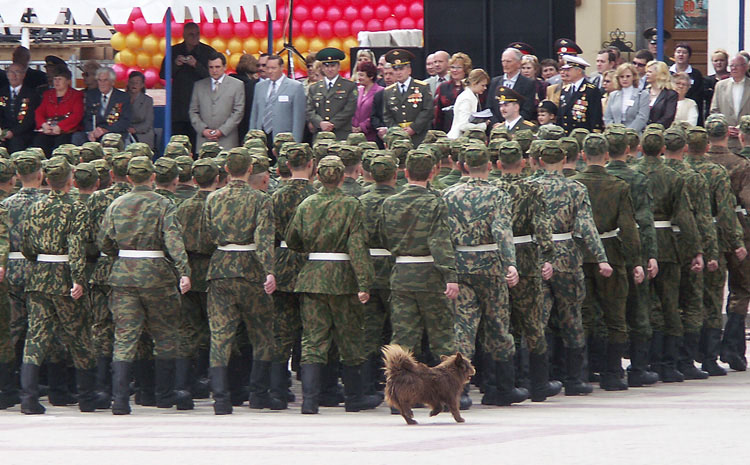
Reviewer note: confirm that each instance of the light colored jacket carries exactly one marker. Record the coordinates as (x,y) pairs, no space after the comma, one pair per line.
(142,119)
(723,102)
(636,115)
(222,110)
(288,107)
(466,104)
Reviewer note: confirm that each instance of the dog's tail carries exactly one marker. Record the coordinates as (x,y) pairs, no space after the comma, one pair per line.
(397,360)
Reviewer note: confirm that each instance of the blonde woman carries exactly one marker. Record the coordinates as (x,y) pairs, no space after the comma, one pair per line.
(468,102)
(531,69)
(627,105)
(662,99)
(687,109)
(459,66)
(609,85)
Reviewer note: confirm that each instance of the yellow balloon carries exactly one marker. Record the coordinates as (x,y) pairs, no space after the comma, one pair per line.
(219,44)
(334,43)
(143,59)
(317,45)
(133,41)
(127,57)
(163,45)
(150,44)
(251,46)
(234,59)
(278,45)
(117,59)
(349,43)
(234,45)
(117,41)
(302,44)
(156,60)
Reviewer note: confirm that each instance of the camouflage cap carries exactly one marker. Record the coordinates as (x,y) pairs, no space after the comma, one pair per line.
(356,138)
(595,145)
(551,152)
(260,163)
(280,138)
(524,137)
(102,169)
(684,125)
(238,161)
(4,153)
(535,148)
(140,149)
(221,160)
(182,139)
(37,152)
(256,134)
(120,162)
(91,151)
(175,149)
(433,135)
(654,127)
(744,124)
(367,157)
(394,133)
(7,170)
(652,142)
(114,139)
(550,132)
(68,153)
(617,140)
(382,168)
(209,149)
(444,147)
(348,154)
(166,170)
(716,126)
(85,175)
(476,133)
(580,134)
(185,164)
(476,156)
(401,148)
(675,139)
(256,144)
(500,132)
(320,149)
(281,166)
(419,163)
(57,169)
(141,168)
(324,135)
(633,138)
(570,147)
(205,171)
(284,147)
(493,149)
(330,169)
(26,162)
(109,152)
(697,139)
(298,155)
(510,152)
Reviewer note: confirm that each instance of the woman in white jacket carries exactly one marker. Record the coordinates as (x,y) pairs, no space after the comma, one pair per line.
(627,105)
(467,103)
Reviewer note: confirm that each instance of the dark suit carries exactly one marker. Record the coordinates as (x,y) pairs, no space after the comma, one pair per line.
(336,105)
(524,86)
(34,78)
(26,101)
(412,108)
(249,94)
(376,117)
(664,108)
(115,118)
(581,109)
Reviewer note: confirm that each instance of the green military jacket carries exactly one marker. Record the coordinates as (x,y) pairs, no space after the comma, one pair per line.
(350,186)
(336,105)
(184,192)
(412,108)
(189,213)
(97,206)
(169,195)
(738,169)
(285,202)
(372,203)
(451,178)
(17,205)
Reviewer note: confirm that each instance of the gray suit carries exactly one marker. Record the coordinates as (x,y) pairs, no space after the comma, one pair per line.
(723,101)
(222,110)
(288,111)
(434,82)
(636,115)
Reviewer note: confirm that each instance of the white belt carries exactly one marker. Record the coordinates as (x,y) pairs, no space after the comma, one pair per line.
(47,258)
(609,234)
(102,254)
(523,239)
(676,229)
(329,256)
(380,253)
(562,237)
(478,248)
(663,224)
(141,254)
(237,248)
(739,209)
(16,256)
(415,259)
(282,245)
(715,220)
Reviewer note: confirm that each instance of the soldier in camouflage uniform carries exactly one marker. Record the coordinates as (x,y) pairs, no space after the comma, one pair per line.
(638,300)
(400,148)
(615,221)
(55,232)
(572,154)
(86,180)
(352,161)
(140,228)
(184,140)
(671,206)
(113,139)
(334,282)
(569,208)
(479,217)
(186,188)
(7,355)
(102,170)
(532,236)
(167,173)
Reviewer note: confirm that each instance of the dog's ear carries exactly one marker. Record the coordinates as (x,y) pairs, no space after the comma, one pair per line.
(459,358)
(443,358)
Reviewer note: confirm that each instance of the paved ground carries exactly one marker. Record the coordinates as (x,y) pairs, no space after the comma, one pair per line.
(696,422)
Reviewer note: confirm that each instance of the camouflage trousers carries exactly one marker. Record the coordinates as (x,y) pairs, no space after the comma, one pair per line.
(483,300)
(739,285)
(377,310)
(606,297)
(61,316)
(526,318)
(713,294)
(19,317)
(413,313)
(665,315)
(230,301)
(690,299)
(194,331)
(330,318)
(102,327)
(287,324)
(565,292)
(7,351)
(135,310)
(638,308)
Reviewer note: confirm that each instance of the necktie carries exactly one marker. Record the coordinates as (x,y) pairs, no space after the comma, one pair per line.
(268,111)
(441,79)
(103,109)
(216,86)
(330,85)
(13,95)
(403,88)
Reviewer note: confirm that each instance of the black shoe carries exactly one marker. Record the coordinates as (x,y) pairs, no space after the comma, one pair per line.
(183,398)
(201,386)
(688,351)
(144,373)
(638,374)
(103,383)
(733,343)
(164,371)
(574,384)
(280,385)
(57,378)
(712,368)
(465,402)
(332,392)
(689,371)
(354,399)
(735,362)
(541,386)
(670,373)
(220,386)
(86,383)
(7,398)
(611,379)
(30,390)
(260,380)
(311,379)
(507,392)
(712,338)
(121,388)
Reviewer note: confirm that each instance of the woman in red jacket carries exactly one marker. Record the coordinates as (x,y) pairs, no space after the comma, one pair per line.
(59,114)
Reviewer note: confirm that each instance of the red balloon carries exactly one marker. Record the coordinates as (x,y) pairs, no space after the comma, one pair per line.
(141,27)
(366,13)
(157,29)
(400,11)
(225,30)
(177,29)
(308,28)
(208,30)
(407,23)
(356,3)
(420,23)
(121,71)
(278,28)
(325,31)
(390,23)
(350,13)
(135,13)
(416,11)
(382,12)
(126,28)
(295,26)
(260,29)
(281,12)
(374,25)
(341,28)
(357,26)
(242,30)
(318,13)
(152,77)
(334,14)
(301,12)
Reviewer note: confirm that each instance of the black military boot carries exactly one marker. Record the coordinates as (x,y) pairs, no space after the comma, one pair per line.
(521,367)
(638,375)
(182,395)
(121,388)
(670,373)
(712,337)
(687,352)
(279,385)
(733,343)
(6,375)
(505,378)
(354,398)
(146,393)
(103,382)
(611,378)
(260,380)
(57,380)
(541,386)
(312,374)
(656,353)
(164,370)
(86,385)
(219,377)
(201,388)
(238,375)
(30,390)
(464,403)
(574,384)
(490,383)
(369,383)
(331,394)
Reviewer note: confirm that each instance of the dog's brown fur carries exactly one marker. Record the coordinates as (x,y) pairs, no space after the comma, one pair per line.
(409,382)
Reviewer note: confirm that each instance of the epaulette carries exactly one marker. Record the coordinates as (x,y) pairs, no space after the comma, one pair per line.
(391,86)
(528,123)
(421,83)
(566,87)
(590,85)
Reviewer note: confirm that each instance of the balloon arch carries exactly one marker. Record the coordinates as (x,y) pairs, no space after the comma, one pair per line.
(316,24)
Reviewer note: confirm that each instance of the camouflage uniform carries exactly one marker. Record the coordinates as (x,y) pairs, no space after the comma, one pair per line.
(7,354)
(185,190)
(350,157)
(166,171)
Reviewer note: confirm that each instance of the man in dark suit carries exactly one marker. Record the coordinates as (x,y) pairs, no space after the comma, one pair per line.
(33,78)
(18,103)
(376,118)
(407,102)
(513,79)
(106,110)
(580,101)
(332,101)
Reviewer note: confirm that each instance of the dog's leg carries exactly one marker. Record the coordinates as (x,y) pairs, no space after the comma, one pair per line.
(408,415)
(436,409)
(456,412)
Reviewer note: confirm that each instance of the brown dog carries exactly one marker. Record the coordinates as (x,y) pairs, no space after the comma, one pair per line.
(409,382)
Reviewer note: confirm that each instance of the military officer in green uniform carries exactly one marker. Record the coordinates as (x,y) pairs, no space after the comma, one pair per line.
(510,107)
(407,102)
(332,101)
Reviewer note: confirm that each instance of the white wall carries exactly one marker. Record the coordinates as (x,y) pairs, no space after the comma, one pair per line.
(723,27)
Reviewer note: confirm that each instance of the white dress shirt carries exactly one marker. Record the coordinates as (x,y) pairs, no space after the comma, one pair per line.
(275,86)
(331,82)
(510,81)
(510,124)
(738,91)
(216,82)
(627,99)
